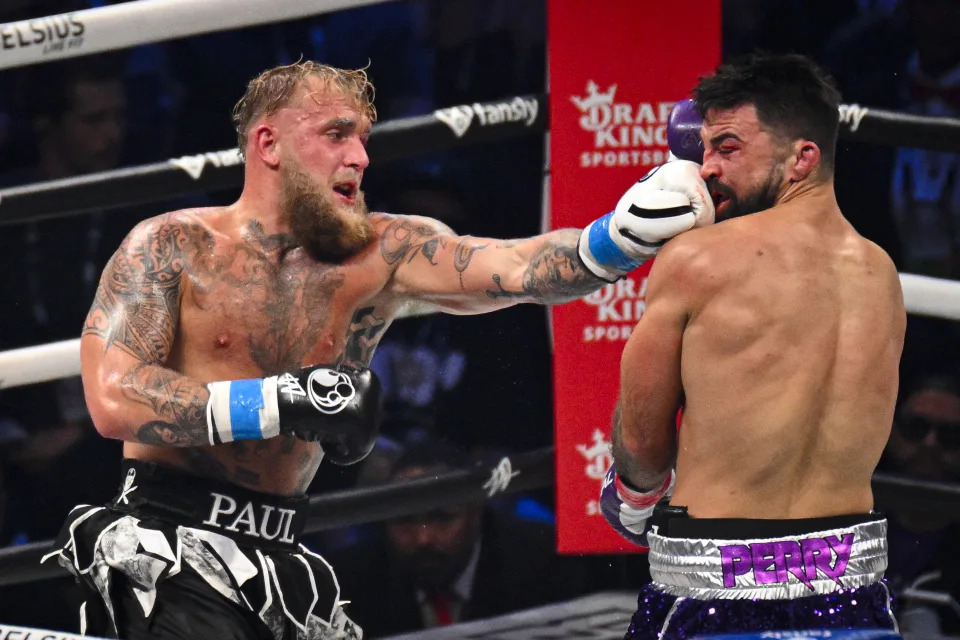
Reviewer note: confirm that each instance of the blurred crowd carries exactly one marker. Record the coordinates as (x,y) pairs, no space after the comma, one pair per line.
(459,390)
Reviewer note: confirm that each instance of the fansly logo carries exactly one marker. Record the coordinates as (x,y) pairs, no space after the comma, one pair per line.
(194,165)
(461,117)
(53,33)
(619,306)
(852,114)
(623,134)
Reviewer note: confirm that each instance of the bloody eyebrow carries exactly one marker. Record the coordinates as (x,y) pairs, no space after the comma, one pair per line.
(715,141)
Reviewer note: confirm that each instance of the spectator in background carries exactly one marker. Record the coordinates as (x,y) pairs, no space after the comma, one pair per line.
(78,124)
(926,184)
(917,69)
(907,200)
(925,542)
(454,564)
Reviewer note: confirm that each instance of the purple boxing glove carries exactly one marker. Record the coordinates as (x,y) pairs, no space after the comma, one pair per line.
(683,132)
(627,509)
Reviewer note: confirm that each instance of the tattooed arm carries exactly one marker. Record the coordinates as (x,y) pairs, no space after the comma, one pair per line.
(462,274)
(128,335)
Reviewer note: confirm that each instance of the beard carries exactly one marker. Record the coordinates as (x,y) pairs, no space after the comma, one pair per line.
(328,231)
(760,198)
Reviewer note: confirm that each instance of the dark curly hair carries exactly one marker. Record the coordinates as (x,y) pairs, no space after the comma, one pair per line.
(793,96)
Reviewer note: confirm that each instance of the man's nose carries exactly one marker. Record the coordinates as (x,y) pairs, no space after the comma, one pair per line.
(710,167)
(424,536)
(356,155)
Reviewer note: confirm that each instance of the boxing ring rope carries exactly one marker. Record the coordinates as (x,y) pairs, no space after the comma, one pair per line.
(120,26)
(922,295)
(444,129)
(513,474)
(397,139)
(448,128)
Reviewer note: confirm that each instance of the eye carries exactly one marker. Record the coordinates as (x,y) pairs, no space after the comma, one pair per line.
(335,134)
(725,151)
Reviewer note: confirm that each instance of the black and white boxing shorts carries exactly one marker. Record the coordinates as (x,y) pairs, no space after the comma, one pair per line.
(177,555)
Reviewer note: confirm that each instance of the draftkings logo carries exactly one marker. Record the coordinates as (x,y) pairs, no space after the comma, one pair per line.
(53,33)
(598,460)
(623,134)
(619,306)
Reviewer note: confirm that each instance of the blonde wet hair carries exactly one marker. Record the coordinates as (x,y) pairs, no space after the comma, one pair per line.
(275,88)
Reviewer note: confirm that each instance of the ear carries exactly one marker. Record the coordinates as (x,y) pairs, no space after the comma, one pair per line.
(804,161)
(263,139)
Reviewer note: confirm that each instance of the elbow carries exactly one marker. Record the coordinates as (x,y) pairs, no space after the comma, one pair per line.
(105,405)
(653,453)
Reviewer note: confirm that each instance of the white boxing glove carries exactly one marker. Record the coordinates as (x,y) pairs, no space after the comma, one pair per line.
(669,200)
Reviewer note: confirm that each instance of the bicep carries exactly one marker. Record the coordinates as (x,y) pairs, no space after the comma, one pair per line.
(137,302)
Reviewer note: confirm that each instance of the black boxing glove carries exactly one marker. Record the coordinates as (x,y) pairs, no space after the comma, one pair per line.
(339,407)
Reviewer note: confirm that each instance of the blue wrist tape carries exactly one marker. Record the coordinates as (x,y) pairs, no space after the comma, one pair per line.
(246,400)
(605,251)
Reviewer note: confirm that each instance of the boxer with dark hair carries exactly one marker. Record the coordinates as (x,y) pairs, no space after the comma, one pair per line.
(778,331)
(228,348)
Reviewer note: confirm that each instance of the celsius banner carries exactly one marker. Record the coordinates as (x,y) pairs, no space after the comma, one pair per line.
(615,70)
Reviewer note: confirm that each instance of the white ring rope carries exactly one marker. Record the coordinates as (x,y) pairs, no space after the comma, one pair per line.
(922,295)
(56,360)
(134,23)
(926,296)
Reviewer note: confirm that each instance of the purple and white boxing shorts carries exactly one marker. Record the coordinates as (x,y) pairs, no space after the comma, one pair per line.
(714,576)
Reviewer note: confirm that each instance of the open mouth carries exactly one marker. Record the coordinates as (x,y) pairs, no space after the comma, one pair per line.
(720,198)
(346,190)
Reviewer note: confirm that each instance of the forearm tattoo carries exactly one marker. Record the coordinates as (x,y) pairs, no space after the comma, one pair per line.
(554,274)
(463,254)
(180,405)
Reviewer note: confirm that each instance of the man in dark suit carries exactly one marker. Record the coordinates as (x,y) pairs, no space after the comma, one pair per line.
(451,565)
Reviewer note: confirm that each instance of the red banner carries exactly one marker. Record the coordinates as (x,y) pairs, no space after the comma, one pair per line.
(616,69)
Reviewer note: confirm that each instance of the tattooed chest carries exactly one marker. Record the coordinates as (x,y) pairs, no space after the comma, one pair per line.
(280,317)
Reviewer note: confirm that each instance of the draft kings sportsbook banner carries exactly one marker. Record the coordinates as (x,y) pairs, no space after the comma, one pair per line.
(615,69)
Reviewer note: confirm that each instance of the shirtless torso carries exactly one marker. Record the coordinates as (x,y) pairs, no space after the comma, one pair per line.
(790,346)
(211,295)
